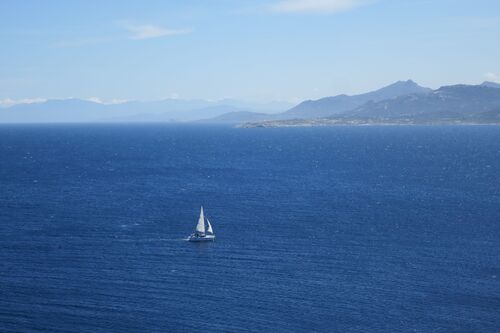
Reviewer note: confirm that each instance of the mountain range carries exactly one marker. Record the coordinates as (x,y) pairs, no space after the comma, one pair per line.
(328,106)
(457,104)
(325,107)
(400,102)
(168,110)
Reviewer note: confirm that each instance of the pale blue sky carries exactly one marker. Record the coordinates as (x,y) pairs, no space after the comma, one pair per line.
(252,49)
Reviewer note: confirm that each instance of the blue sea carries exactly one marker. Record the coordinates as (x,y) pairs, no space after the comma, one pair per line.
(339,229)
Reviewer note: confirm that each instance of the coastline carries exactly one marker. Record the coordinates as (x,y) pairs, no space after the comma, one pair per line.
(331,123)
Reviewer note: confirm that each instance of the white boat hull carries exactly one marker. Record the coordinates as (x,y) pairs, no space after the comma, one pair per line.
(206,238)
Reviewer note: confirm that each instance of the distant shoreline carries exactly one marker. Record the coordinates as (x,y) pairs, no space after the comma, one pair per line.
(330,123)
(270,124)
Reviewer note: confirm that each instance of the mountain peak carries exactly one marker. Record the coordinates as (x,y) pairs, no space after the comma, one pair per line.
(398,88)
(407,84)
(409,81)
(328,106)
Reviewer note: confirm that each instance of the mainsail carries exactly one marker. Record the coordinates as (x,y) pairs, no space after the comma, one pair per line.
(200,227)
(209,230)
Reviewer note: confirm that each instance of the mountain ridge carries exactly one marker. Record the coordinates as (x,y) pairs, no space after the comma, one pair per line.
(395,101)
(456,104)
(327,106)
(168,110)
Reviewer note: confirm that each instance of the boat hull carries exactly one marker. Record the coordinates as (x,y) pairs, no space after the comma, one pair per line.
(207,238)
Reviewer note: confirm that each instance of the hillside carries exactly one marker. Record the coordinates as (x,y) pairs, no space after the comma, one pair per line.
(329,106)
(458,104)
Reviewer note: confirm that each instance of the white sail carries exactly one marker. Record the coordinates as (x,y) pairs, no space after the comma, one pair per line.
(200,227)
(209,230)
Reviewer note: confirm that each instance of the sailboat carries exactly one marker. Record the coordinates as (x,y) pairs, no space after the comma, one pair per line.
(202,233)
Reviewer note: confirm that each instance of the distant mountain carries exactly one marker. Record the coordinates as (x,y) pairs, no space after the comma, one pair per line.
(77,110)
(68,110)
(176,116)
(459,102)
(329,106)
(490,84)
(268,107)
(239,117)
(403,101)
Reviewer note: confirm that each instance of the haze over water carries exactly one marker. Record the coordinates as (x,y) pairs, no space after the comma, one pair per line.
(341,229)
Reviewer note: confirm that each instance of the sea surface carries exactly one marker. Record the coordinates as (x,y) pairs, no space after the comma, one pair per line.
(340,229)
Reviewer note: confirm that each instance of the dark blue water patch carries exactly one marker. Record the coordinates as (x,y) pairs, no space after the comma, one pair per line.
(342,229)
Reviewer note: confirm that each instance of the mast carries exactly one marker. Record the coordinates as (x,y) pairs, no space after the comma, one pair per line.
(209,230)
(200,227)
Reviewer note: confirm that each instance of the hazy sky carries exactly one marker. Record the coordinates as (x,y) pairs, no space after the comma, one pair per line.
(248,49)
